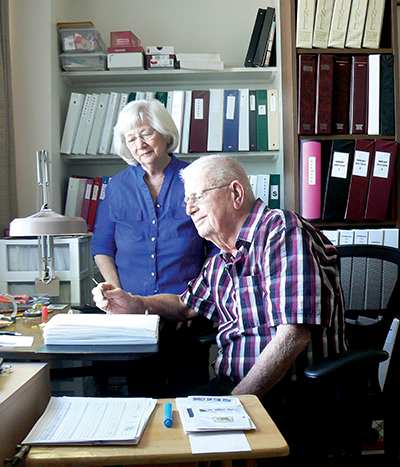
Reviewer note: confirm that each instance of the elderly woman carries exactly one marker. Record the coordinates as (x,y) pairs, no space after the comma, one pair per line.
(145,243)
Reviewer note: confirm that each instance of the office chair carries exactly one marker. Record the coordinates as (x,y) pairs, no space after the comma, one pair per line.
(347,385)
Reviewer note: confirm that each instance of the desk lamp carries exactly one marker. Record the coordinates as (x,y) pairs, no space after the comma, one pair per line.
(46,224)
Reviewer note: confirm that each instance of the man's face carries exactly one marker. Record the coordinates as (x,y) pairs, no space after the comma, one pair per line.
(209,208)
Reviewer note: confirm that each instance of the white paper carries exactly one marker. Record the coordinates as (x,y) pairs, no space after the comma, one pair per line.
(92,420)
(93,329)
(16,341)
(218,442)
(220,409)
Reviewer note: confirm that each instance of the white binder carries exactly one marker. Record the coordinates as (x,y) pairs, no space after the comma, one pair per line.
(215,120)
(111,115)
(98,124)
(71,122)
(244,128)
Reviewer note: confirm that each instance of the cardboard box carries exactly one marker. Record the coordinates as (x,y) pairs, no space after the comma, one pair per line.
(160,61)
(158,50)
(126,61)
(24,395)
(118,50)
(124,39)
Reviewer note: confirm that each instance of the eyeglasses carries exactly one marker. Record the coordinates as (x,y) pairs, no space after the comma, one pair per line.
(145,137)
(197,199)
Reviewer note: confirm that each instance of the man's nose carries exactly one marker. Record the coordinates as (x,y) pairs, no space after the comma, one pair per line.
(190,208)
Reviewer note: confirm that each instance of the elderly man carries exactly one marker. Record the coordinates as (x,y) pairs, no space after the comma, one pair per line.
(274,289)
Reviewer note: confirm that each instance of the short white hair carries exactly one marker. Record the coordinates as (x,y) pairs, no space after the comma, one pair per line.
(217,170)
(137,112)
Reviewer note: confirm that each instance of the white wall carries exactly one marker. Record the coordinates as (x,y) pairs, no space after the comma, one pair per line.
(41,98)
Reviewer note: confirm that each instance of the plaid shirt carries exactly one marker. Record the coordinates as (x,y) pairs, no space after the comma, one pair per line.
(285,271)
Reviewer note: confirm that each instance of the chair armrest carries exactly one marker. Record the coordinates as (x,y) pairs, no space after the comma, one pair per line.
(345,361)
(207,337)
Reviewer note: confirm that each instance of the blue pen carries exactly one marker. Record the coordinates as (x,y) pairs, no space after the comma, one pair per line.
(168,415)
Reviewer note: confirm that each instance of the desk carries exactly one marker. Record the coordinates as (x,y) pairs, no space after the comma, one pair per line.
(165,446)
(40,352)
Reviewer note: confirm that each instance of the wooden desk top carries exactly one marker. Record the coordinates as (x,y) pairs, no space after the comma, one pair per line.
(161,445)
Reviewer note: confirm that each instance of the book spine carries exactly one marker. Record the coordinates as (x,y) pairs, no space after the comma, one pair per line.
(306,95)
(323,16)
(323,111)
(340,20)
(355,29)
(305,23)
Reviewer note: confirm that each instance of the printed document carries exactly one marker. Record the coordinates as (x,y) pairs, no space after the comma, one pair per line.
(214,424)
(98,329)
(92,420)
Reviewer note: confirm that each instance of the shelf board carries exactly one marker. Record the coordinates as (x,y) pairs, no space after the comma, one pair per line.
(154,77)
(355,136)
(334,51)
(251,156)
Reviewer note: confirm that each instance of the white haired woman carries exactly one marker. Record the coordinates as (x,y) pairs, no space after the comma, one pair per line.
(145,243)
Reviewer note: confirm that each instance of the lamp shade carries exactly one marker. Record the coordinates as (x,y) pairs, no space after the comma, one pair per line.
(47,222)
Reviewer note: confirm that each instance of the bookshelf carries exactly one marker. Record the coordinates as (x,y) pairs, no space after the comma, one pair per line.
(165,80)
(289,72)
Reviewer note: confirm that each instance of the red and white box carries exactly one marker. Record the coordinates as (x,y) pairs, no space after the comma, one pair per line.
(160,61)
(124,39)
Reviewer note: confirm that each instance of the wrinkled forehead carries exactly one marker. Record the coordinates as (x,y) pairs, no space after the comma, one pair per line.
(195,184)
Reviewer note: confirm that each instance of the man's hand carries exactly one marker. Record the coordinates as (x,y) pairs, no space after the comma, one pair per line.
(114,300)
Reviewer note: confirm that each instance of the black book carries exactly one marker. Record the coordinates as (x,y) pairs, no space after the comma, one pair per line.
(255,37)
(338,180)
(259,57)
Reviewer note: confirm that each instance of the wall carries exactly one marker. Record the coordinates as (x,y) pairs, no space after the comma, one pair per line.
(40,96)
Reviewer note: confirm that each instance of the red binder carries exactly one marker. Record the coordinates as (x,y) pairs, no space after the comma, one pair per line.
(358,94)
(341,95)
(199,121)
(87,198)
(382,174)
(359,181)
(93,204)
(323,106)
(310,160)
(307,91)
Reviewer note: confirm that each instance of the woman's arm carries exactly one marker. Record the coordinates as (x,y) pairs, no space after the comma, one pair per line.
(108,269)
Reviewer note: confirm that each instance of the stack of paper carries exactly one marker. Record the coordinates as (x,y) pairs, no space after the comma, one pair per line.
(203,414)
(92,420)
(97,329)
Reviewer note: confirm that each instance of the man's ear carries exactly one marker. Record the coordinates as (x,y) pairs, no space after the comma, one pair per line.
(237,194)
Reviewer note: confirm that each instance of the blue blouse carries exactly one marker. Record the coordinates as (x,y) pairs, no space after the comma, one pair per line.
(156,247)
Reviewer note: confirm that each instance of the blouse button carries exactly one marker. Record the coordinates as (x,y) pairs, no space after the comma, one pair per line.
(153,256)
(153,274)
(154,222)
(153,239)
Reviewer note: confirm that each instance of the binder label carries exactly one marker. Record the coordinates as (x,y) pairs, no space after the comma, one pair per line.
(360,166)
(198,109)
(252,102)
(312,170)
(340,164)
(262,109)
(230,107)
(382,164)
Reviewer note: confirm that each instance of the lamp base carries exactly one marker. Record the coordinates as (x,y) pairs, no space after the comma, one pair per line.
(52,289)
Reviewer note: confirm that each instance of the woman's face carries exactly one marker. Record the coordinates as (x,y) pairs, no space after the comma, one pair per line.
(146,145)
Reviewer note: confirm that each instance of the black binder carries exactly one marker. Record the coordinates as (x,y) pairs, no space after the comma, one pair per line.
(255,37)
